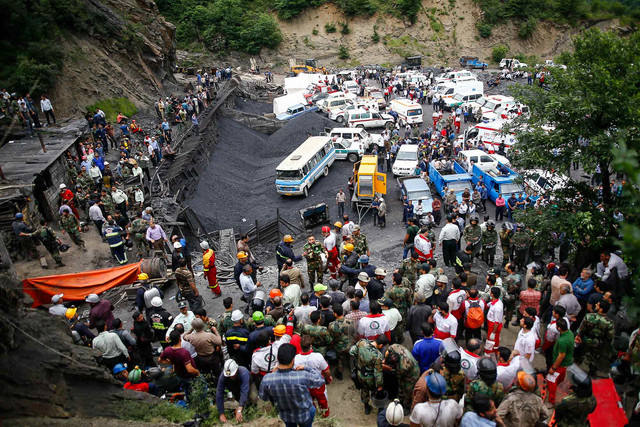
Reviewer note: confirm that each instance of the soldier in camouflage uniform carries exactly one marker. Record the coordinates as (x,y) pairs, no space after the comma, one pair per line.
(402,298)
(473,234)
(486,384)
(366,367)
(312,251)
(575,407)
(138,231)
(342,332)
(513,285)
(73,172)
(595,336)
(399,360)
(50,241)
(505,242)
(71,225)
(409,270)
(521,242)
(225,320)
(106,203)
(360,245)
(489,243)
(320,334)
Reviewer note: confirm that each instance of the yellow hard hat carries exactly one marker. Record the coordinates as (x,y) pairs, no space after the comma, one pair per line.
(143,276)
(288,238)
(348,247)
(337,224)
(242,255)
(70,313)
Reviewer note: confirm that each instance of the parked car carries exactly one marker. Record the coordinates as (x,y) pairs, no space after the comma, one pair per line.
(512,63)
(295,111)
(416,189)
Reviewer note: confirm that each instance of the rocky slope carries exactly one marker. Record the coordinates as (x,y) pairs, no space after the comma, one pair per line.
(98,67)
(445,30)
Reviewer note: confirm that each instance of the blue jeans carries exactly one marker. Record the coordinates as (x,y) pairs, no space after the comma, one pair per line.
(308,422)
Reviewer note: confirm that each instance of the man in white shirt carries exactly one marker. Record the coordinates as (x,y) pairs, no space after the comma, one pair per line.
(525,345)
(422,245)
(247,285)
(449,236)
(469,358)
(426,281)
(374,324)
(391,313)
(292,291)
(508,367)
(436,411)
(302,313)
(47,109)
(314,361)
(494,322)
(185,318)
(57,309)
(95,214)
(110,345)
(607,262)
(333,257)
(446,323)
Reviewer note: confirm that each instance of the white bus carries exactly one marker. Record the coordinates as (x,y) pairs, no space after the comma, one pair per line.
(408,111)
(296,173)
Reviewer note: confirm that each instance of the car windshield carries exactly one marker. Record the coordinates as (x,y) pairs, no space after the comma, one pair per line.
(377,95)
(490,105)
(459,186)
(288,175)
(481,101)
(511,188)
(419,195)
(363,134)
(406,155)
(415,112)
(458,97)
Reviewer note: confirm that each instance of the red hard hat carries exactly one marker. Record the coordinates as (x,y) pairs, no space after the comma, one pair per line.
(326,229)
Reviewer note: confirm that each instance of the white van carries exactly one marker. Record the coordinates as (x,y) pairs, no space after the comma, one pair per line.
(449,89)
(406,160)
(483,160)
(351,87)
(369,119)
(455,75)
(335,102)
(464,95)
(408,111)
(339,114)
(358,135)
(491,135)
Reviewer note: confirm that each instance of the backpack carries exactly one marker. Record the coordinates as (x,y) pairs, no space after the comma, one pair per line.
(475,315)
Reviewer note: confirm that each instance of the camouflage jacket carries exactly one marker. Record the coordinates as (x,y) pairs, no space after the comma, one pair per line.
(407,368)
(360,245)
(313,252)
(495,392)
(409,269)
(489,238)
(472,233)
(368,360)
(69,223)
(402,298)
(341,331)
(321,337)
(596,330)
(573,411)
(455,384)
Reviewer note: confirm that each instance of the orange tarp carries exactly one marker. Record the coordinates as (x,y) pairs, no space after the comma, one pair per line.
(76,286)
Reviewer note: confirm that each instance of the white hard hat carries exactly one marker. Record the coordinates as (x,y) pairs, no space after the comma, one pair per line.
(92,299)
(156,302)
(363,277)
(230,368)
(236,315)
(63,186)
(106,163)
(177,245)
(56,298)
(204,245)
(395,413)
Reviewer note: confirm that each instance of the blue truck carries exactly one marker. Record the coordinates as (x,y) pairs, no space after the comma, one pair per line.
(445,179)
(472,62)
(498,180)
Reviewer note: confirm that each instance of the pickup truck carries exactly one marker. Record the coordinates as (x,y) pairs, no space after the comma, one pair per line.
(472,62)
(295,111)
(456,179)
(512,63)
(498,180)
(416,189)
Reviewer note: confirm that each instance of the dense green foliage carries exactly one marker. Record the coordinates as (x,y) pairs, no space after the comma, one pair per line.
(599,133)
(499,52)
(222,25)
(528,12)
(113,106)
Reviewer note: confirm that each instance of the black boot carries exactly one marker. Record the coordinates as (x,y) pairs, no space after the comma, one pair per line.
(367,408)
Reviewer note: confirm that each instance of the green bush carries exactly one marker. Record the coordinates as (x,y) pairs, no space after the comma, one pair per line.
(315,32)
(344,28)
(375,37)
(288,9)
(330,27)
(526,29)
(484,29)
(499,52)
(357,7)
(113,106)
(343,52)
(139,411)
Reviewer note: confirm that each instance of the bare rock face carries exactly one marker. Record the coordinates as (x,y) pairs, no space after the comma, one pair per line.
(137,63)
(44,374)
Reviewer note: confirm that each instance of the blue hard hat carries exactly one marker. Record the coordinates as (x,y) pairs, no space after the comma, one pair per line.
(19,215)
(436,384)
(363,259)
(119,368)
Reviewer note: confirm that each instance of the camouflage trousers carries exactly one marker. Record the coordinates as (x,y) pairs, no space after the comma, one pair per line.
(54,252)
(595,355)
(315,273)
(141,245)
(489,254)
(74,234)
(405,390)
(367,388)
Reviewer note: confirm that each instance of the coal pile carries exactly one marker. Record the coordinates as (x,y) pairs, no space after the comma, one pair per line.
(252,107)
(238,186)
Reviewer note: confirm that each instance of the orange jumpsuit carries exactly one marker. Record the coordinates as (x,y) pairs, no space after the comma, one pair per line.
(210,271)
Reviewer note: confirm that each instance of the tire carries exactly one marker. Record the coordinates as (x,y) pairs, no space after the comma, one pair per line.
(353,157)
(340,119)
(305,192)
(325,172)
(360,126)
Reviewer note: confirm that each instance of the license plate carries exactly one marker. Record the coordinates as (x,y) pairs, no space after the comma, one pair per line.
(287,194)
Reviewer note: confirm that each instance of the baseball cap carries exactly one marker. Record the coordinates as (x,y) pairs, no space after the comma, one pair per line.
(356,227)
(182,304)
(236,315)
(319,287)
(56,298)
(385,302)
(279,330)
